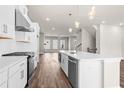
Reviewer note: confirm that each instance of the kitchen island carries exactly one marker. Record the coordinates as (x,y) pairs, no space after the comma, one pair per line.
(88,70)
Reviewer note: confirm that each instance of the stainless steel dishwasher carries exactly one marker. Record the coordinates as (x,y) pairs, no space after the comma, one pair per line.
(73,71)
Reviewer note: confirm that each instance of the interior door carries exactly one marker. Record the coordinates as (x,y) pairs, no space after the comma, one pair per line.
(62,44)
(55,44)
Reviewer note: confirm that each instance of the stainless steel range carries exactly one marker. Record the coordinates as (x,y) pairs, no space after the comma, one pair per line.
(30,61)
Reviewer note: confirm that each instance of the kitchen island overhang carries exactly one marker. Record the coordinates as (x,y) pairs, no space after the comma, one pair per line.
(94,70)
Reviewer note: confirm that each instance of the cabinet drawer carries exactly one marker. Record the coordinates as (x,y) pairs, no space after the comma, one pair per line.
(19,79)
(16,67)
(3,85)
(3,77)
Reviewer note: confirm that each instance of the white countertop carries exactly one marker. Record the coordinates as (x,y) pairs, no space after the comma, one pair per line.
(8,61)
(80,55)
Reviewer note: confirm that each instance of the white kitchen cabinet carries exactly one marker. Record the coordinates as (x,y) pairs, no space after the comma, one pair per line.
(99,73)
(3,85)
(87,70)
(64,63)
(3,79)
(111,74)
(18,75)
(7,22)
(23,36)
(35,41)
(90,74)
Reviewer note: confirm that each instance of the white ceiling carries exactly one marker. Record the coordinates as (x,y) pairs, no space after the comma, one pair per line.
(60,19)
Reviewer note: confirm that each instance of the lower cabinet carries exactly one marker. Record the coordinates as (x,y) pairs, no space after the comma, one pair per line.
(4,85)
(3,79)
(64,63)
(17,80)
(14,76)
(90,74)
(18,77)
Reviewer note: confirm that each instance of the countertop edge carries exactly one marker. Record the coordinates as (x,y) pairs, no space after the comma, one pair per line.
(13,63)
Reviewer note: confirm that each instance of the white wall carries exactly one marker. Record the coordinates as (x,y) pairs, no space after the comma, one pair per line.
(110,40)
(123,41)
(41,43)
(88,41)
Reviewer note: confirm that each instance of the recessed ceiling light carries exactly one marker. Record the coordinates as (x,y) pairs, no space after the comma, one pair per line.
(103,22)
(121,24)
(47,19)
(93,8)
(53,28)
(70,30)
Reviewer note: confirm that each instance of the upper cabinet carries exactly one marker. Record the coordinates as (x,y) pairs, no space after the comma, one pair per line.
(24,37)
(23,24)
(7,22)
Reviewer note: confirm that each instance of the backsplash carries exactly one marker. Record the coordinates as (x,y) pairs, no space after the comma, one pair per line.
(7,46)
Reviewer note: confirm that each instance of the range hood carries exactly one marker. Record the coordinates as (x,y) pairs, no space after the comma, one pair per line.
(23,29)
(21,23)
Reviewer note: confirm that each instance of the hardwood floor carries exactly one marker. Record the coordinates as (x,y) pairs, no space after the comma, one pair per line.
(122,73)
(48,73)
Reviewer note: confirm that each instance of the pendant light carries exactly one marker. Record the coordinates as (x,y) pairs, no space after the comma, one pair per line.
(92,13)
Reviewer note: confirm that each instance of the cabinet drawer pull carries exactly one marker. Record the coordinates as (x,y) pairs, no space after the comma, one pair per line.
(22,74)
(4,28)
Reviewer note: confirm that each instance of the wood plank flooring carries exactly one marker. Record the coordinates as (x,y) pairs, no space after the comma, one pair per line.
(122,73)
(48,73)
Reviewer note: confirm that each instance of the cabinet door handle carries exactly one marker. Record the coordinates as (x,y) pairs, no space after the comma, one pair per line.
(22,74)
(4,28)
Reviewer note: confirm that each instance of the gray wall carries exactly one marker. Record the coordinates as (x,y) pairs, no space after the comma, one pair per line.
(41,43)
(51,38)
